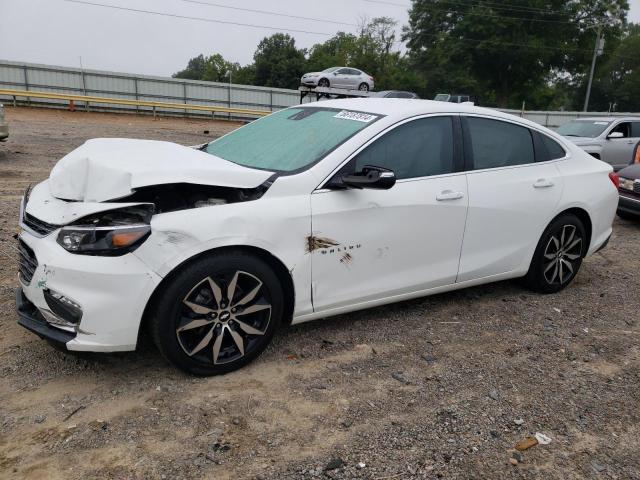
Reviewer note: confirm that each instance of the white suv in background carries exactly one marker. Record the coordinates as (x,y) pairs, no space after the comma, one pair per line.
(610,139)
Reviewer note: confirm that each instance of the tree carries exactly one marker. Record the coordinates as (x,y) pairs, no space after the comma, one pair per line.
(195,69)
(505,54)
(617,82)
(371,50)
(278,63)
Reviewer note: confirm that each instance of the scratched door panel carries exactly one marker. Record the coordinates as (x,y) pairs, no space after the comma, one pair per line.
(372,244)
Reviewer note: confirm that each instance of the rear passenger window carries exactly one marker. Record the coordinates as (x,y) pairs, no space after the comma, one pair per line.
(553,149)
(418,148)
(499,144)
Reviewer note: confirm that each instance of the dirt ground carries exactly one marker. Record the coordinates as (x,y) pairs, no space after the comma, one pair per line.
(439,387)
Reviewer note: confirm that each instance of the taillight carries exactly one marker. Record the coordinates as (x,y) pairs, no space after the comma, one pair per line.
(615,179)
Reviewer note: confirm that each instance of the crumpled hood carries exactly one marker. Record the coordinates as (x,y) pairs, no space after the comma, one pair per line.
(111,168)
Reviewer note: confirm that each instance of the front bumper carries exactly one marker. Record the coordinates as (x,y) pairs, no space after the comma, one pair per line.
(629,203)
(111,291)
(309,82)
(30,318)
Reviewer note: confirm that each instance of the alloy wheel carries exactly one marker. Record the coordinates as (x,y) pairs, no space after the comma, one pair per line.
(222,318)
(561,255)
(364,87)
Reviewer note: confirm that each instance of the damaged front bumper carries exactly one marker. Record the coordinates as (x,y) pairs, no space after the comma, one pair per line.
(32,319)
(87,303)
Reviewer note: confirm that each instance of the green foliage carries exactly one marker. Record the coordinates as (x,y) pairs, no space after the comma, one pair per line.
(278,63)
(504,56)
(533,51)
(617,81)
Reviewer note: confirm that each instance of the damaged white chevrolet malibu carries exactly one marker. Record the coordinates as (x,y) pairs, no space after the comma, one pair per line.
(312,211)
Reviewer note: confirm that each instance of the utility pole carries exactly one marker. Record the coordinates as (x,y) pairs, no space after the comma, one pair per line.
(597,50)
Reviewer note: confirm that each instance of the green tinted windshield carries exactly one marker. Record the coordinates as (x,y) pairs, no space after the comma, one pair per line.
(290,139)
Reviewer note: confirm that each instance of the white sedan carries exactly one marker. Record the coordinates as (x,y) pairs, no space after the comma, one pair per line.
(312,211)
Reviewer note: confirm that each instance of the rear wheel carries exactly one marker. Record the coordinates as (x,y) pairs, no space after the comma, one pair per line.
(218,314)
(363,87)
(323,82)
(558,256)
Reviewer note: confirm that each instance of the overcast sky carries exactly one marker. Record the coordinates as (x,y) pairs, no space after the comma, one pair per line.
(58,32)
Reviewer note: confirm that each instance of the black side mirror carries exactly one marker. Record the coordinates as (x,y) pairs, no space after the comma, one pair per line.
(369,177)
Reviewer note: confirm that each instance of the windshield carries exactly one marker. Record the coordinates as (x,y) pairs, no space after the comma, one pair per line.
(583,128)
(291,139)
(330,69)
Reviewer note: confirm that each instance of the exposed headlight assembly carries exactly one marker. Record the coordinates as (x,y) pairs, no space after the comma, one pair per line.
(111,233)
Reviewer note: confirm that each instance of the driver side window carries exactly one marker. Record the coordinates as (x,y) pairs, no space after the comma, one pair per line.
(418,148)
(622,128)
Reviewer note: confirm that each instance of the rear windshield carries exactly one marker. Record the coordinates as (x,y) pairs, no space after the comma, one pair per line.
(290,140)
(583,128)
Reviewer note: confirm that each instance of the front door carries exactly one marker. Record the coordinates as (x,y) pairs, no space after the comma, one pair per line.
(618,151)
(373,244)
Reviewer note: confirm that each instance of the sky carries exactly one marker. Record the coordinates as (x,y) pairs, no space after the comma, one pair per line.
(59,32)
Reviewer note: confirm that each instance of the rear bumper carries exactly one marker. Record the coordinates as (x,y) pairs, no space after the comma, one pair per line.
(629,204)
(30,318)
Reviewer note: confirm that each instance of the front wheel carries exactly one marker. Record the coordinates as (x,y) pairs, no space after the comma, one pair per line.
(558,256)
(323,82)
(363,87)
(218,314)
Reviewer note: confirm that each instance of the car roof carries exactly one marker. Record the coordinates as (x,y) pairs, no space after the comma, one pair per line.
(400,108)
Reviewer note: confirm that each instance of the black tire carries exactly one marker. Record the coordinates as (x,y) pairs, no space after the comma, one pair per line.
(323,83)
(363,87)
(188,311)
(557,259)
(627,215)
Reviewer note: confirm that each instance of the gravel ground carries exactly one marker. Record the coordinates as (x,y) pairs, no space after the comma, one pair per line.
(439,387)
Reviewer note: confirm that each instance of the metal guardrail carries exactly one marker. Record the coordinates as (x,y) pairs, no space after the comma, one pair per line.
(86,99)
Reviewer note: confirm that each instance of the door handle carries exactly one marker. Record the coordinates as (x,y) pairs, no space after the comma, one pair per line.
(449,195)
(543,183)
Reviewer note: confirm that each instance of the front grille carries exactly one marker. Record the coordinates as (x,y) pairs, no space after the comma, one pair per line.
(28,262)
(37,225)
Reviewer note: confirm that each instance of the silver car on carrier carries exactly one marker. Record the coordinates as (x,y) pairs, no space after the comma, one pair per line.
(339,77)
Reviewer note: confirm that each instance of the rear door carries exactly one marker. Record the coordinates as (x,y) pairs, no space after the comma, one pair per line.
(341,78)
(512,197)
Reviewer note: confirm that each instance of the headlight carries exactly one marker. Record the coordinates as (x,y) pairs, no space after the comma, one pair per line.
(626,183)
(111,233)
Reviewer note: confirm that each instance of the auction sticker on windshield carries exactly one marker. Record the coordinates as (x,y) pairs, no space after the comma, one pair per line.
(357,116)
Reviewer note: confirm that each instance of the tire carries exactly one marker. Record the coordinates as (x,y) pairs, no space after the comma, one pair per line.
(558,255)
(627,215)
(323,83)
(199,329)
(363,87)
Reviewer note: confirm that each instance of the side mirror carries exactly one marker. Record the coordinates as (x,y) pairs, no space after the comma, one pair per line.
(369,177)
(616,135)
